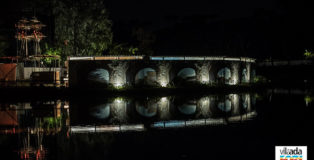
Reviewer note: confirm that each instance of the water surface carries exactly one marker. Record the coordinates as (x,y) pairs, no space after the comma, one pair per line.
(224,126)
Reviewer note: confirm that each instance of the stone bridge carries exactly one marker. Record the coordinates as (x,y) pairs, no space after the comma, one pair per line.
(158,70)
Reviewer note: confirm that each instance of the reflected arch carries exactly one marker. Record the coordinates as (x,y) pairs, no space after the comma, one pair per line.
(146,75)
(188,108)
(225,105)
(99,75)
(101,111)
(146,111)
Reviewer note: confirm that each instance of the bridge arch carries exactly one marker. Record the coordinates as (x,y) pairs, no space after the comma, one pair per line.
(99,75)
(224,75)
(188,74)
(182,72)
(147,76)
(123,70)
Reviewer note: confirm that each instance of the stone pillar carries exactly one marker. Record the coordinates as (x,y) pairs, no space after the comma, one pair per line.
(249,103)
(163,73)
(202,72)
(248,74)
(235,100)
(118,110)
(203,105)
(164,108)
(118,73)
(235,67)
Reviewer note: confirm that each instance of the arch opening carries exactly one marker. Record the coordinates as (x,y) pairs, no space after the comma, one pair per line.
(146,76)
(224,76)
(188,74)
(100,111)
(146,111)
(99,75)
(188,108)
(225,105)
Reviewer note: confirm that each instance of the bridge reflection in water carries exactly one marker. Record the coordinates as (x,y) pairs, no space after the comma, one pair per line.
(34,122)
(105,127)
(143,113)
(125,114)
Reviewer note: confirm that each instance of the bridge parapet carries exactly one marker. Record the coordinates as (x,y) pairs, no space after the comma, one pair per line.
(165,58)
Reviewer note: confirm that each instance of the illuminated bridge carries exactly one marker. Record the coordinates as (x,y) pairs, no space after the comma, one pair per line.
(158,70)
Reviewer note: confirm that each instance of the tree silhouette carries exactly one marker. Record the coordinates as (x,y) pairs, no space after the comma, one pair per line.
(82,28)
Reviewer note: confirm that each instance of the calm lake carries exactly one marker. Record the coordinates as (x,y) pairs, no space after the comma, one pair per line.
(210,126)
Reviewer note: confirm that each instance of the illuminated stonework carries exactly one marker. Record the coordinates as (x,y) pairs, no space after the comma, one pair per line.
(123,69)
(118,73)
(202,72)
(235,99)
(235,73)
(164,108)
(203,105)
(163,73)
(119,110)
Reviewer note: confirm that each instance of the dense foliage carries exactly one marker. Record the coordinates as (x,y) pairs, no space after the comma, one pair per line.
(82,27)
(308,54)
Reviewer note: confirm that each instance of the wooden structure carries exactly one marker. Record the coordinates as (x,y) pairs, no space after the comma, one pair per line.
(28,31)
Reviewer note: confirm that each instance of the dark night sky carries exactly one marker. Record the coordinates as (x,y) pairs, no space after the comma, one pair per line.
(154,10)
(147,10)
(159,13)
(259,28)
